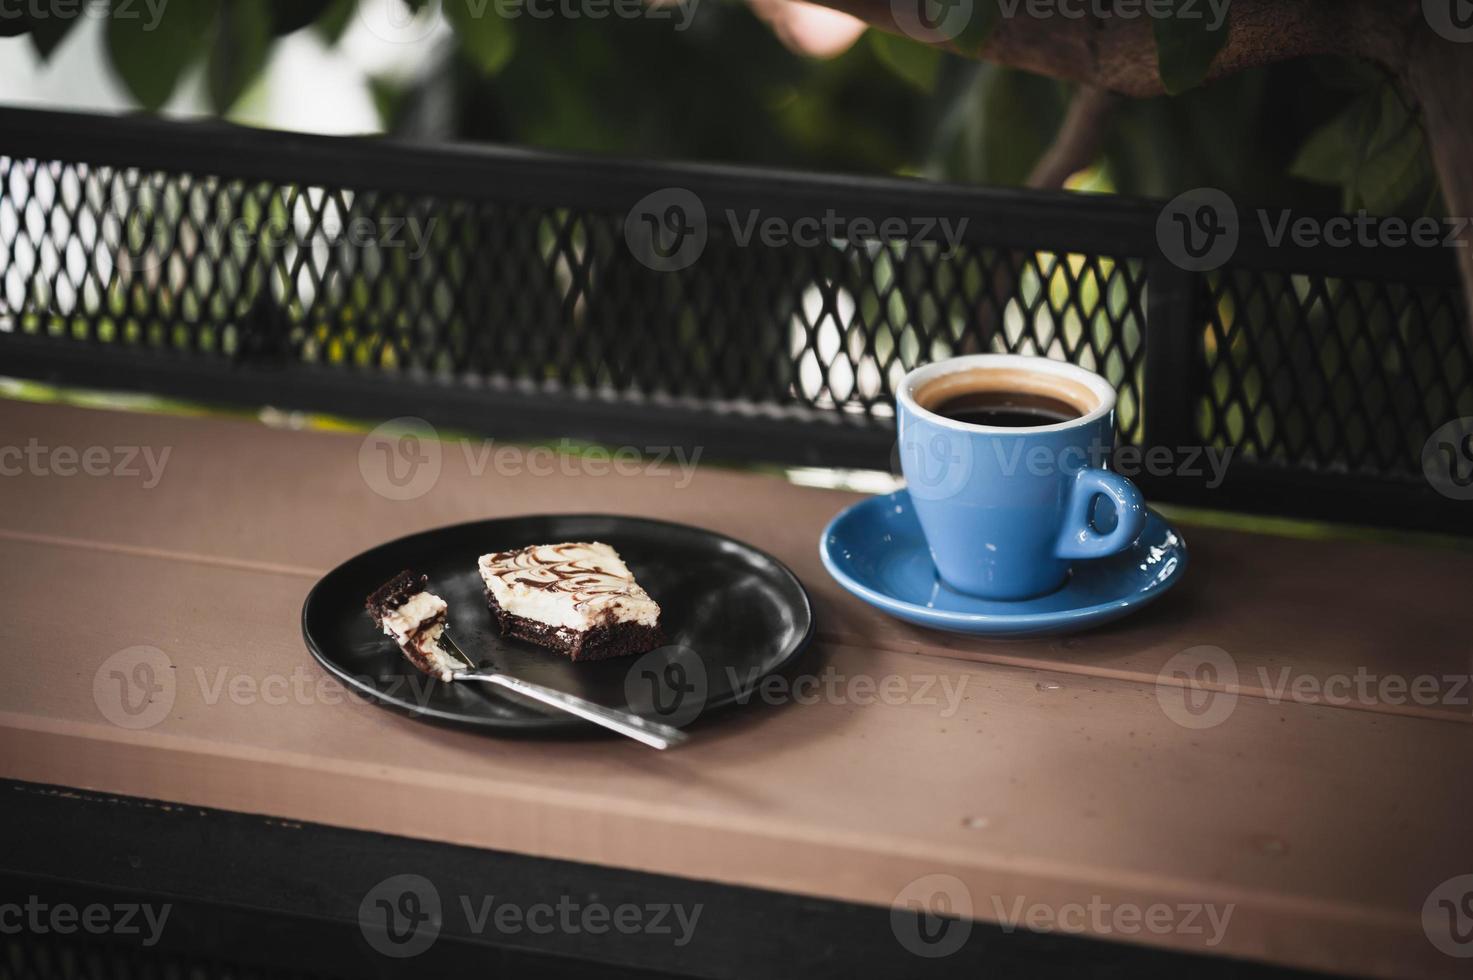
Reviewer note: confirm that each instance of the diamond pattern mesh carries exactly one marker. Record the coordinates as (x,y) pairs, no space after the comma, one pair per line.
(50,957)
(1336,374)
(1304,372)
(385,283)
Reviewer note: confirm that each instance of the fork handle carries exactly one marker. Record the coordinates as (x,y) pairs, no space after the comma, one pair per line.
(651,733)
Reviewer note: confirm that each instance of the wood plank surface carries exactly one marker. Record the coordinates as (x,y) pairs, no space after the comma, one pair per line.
(1350,623)
(1046,772)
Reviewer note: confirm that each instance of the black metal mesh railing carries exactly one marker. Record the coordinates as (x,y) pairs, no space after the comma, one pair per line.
(504,292)
(28,956)
(1332,374)
(500,290)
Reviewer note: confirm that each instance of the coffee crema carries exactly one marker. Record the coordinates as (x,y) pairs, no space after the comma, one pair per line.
(1011,409)
(1008,398)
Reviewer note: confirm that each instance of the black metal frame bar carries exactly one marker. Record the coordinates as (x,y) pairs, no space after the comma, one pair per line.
(234,878)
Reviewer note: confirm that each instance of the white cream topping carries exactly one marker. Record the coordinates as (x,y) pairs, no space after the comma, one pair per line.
(419,608)
(405,624)
(577,585)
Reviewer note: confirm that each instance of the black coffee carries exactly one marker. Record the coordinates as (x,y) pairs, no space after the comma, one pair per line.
(1013,409)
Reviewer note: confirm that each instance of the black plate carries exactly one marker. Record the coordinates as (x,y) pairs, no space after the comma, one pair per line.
(731,615)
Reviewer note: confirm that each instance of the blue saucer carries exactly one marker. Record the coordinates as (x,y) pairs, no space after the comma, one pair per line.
(876,551)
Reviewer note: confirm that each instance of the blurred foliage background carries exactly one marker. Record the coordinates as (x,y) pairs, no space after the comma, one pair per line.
(714,82)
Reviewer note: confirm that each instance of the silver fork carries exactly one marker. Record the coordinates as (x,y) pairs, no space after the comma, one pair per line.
(627,723)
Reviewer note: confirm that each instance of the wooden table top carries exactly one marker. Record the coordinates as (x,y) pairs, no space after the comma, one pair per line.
(1307,826)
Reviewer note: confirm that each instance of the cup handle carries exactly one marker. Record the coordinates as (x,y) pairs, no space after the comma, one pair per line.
(1080,539)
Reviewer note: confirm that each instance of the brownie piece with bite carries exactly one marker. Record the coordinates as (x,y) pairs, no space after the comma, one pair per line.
(414,618)
(577,598)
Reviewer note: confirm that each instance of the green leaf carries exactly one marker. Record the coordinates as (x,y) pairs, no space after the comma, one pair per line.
(1375,152)
(485,35)
(1021,112)
(1396,180)
(13,21)
(332,24)
(911,60)
(998,126)
(293,15)
(388,96)
(48,32)
(150,55)
(1395,169)
(1324,158)
(242,43)
(1186,43)
(979,27)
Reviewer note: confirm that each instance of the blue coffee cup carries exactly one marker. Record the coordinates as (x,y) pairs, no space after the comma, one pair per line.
(1006,509)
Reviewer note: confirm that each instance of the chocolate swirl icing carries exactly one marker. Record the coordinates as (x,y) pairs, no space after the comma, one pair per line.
(573,568)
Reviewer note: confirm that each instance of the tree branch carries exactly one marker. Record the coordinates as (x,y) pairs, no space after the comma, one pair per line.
(1077,143)
(1075,147)
(1440,75)
(1119,55)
